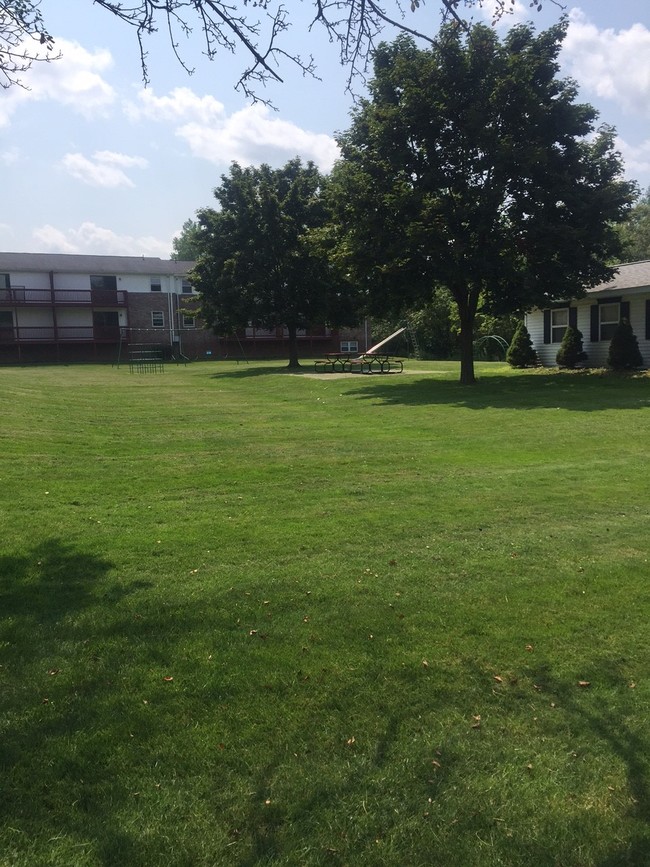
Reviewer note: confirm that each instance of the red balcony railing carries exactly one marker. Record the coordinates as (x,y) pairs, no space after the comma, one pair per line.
(61,334)
(20,296)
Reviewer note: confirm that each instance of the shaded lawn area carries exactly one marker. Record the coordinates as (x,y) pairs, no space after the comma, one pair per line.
(254,618)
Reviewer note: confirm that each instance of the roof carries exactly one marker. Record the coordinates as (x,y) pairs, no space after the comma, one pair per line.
(632,275)
(82,264)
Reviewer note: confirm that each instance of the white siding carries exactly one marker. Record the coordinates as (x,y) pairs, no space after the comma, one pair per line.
(596,351)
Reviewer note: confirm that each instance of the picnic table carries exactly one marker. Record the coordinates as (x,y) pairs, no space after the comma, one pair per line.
(367,362)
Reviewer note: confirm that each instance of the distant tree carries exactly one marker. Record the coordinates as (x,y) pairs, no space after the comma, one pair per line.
(571,353)
(259,28)
(634,233)
(186,245)
(472,167)
(256,263)
(624,352)
(521,352)
(24,40)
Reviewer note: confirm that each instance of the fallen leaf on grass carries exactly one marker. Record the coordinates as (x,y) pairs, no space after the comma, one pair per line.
(425,663)
(584,683)
(498,678)
(350,741)
(54,671)
(529,648)
(168,678)
(477,721)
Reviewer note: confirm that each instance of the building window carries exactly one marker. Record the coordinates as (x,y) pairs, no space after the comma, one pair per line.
(106,318)
(156,285)
(5,281)
(186,287)
(559,324)
(349,346)
(188,321)
(609,318)
(103,281)
(157,319)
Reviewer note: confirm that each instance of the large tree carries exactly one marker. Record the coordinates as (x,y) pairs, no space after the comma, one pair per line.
(257,264)
(472,167)
(259,29)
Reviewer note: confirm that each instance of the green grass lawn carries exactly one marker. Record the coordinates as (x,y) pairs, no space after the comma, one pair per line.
(255,618)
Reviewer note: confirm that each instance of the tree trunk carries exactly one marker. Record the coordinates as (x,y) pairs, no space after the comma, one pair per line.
(467,345)
(294,364)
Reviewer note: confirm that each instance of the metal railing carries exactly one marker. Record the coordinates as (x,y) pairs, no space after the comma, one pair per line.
(19,296)
(60,334)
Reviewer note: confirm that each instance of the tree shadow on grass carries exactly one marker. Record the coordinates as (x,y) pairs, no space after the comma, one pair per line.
(579,392)
(247,371)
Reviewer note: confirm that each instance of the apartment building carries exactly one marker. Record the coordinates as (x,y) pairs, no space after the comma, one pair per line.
(58,307)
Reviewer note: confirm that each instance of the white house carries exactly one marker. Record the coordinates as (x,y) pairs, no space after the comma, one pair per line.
(596,315)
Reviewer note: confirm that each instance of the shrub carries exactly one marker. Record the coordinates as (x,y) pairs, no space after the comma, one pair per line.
(624,353)
(571,352)
(521,352)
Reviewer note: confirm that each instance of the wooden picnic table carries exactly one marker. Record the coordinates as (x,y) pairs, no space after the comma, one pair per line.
(351,362)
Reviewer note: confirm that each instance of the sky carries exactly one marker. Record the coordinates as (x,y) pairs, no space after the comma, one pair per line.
(92,161)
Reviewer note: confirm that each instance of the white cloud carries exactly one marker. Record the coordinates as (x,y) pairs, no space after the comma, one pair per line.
(93,239)
(254,136)
(608,63)
(635,157)
(180,104)
(105,169)
(249,136)
(73,80)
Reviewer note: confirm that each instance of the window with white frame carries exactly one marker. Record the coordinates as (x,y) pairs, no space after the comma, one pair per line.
(188,321)
(609,317)
(157,319)
(349,346)
(186,287)
(5,281)
(559,324)
(156,285)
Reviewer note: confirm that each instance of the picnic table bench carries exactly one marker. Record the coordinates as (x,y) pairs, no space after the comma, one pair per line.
(368,362)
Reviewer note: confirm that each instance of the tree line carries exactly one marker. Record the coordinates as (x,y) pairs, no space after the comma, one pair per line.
(470,173)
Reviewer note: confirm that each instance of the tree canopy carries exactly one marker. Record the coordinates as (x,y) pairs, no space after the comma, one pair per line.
(634,233)
(257,264)
(186,244)
(472,167)
(257,28)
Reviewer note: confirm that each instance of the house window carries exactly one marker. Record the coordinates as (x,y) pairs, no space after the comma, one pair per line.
(349,346)
(186,287)
(5,281)
(103,281)
(157,319)
(188,321)
(156,285)
(610,315)
(559,324)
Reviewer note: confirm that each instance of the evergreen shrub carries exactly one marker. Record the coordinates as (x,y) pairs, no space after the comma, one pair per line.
(624,352)
(521,352)
(571,353)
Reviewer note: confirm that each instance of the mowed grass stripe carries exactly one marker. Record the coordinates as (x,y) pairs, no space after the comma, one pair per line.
(375,597)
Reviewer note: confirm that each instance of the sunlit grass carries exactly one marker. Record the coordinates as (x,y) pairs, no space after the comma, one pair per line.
(248,618)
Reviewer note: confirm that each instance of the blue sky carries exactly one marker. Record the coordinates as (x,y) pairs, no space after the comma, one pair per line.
(91,161)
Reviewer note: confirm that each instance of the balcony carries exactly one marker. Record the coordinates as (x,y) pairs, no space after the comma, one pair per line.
(62,334)
(20,296)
